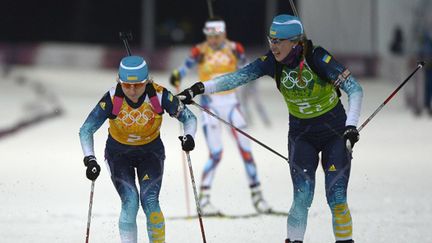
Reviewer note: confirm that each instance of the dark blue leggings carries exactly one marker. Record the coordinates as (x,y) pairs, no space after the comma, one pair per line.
(305,143)
(142,164)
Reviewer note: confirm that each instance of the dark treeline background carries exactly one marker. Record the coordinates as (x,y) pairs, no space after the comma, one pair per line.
(99,21)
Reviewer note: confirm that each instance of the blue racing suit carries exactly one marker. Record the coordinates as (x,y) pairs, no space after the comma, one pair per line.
(134,151)
(317,122)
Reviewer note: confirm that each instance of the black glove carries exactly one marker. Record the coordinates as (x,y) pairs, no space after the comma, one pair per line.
(187,142)
(175,78)
(188,94)
(93,169)
(351,136)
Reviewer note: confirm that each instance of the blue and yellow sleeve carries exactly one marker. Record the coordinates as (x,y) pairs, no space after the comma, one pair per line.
(190,62)
(327,66)
(340,77)
(93,122)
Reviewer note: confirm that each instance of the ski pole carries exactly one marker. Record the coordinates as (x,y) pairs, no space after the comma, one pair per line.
(184,171)
(90,211)
(239,130)
(419,66)
(210,8)
(294,9)
(196,197)
(125,36)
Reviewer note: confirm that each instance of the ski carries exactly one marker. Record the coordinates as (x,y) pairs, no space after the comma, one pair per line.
(232,216)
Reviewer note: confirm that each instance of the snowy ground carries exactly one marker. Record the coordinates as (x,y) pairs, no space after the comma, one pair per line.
(44,194)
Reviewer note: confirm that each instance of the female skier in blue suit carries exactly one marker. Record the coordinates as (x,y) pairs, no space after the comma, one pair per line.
(309,79)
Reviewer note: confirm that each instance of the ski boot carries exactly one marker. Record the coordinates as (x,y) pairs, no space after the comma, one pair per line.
(296,241)
(344,241)
(261,206)
(207,208)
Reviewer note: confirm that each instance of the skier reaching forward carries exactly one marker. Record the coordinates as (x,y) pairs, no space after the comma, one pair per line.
(309,78)
(134,108)
(214,57)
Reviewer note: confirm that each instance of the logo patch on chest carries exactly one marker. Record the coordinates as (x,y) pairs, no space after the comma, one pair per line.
(136,116)
(291,79)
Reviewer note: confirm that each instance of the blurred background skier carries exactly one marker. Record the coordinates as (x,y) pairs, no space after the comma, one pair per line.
(216,56)
(250,97)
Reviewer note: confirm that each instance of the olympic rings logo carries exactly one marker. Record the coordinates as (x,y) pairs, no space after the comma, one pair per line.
(290,79)
(219,58)
(136,116)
